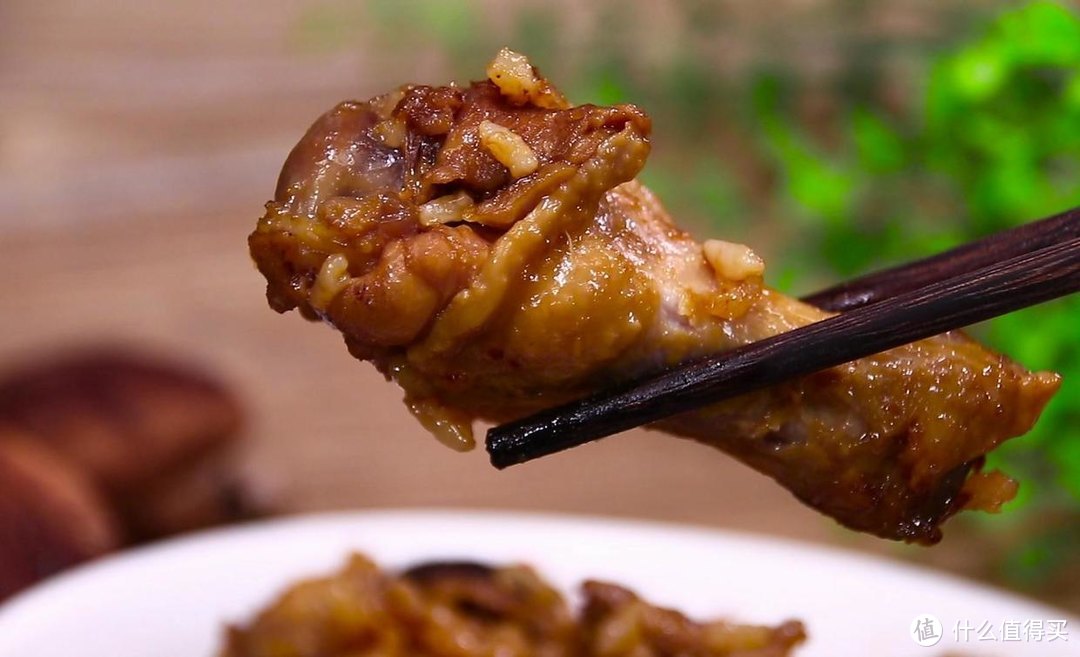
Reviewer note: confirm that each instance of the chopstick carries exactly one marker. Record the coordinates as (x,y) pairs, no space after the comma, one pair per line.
(913,275)
(1010,277)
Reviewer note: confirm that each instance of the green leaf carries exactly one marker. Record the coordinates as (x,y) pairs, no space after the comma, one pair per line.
(820,186)
(879,147)
(1071,96)
(1042,33)
(979,72)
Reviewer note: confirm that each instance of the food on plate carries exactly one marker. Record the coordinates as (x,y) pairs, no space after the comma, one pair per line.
(106,447)
(488,248)
(474,610)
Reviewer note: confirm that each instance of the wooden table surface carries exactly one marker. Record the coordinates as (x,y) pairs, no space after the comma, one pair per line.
(137,146)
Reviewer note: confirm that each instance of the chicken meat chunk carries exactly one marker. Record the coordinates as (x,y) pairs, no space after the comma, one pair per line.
(468,609)
(488,248)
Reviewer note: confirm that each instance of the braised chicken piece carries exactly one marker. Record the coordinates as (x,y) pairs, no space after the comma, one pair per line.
(487,247)
(615,622)
(473,610)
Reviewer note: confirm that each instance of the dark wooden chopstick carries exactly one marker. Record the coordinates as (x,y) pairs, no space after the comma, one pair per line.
(967,296)
(913,275)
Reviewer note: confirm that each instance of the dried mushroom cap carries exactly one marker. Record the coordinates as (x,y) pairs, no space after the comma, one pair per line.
(51,516)
(124,418)
(214,491)
(106,448)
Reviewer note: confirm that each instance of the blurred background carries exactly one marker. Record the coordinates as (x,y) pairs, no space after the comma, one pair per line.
(138,142)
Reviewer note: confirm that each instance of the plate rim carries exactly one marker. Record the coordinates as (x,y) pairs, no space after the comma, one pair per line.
(603,523)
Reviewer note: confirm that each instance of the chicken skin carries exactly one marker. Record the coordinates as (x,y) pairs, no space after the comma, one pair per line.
(487,248)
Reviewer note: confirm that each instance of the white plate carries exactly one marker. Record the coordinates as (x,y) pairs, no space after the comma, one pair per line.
(171,600)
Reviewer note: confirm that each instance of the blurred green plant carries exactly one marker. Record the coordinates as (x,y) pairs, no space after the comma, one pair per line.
(840,173)
(994,142)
